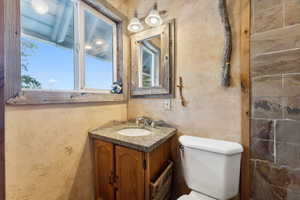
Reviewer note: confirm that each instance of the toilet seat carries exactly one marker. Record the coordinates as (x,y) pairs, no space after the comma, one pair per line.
(195,196)
(185,197)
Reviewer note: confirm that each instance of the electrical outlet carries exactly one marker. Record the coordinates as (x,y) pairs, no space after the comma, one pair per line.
(168,104)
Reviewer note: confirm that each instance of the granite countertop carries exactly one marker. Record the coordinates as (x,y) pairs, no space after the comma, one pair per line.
(146,143)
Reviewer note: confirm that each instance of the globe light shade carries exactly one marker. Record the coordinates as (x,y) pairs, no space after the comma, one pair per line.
(40,6)
(135,25)
(153,19)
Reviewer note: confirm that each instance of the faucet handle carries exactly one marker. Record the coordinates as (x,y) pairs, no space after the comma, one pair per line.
(156,123)
(139,121)
(146,121)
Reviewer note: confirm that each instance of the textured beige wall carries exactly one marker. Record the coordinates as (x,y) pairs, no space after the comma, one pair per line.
(47,150)
(47,147)
(211,111)
(121,5)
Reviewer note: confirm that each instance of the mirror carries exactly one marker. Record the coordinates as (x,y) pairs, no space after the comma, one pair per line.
(152,61)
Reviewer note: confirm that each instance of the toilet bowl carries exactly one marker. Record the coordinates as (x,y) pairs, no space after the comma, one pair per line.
(195,196)
(211,168)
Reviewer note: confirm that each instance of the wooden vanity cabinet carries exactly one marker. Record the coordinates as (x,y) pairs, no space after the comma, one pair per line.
(125,174)
(104,169)
(129,174)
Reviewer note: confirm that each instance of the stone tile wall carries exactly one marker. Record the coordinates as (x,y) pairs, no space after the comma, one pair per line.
(275,74)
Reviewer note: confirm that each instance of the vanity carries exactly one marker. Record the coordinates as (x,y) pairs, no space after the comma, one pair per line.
(132,163)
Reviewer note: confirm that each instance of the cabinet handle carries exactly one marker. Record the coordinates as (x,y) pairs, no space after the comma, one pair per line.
(111,178)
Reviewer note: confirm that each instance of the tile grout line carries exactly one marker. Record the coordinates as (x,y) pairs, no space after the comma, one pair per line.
(283,14)
(263,10)
(275,75)
(274,140)
(282,98)
(266,76)
(276,29)
(275,52)
(272,119)
(282,82)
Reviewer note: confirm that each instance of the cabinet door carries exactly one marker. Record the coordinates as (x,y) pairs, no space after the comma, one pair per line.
(130,174)
(104,168)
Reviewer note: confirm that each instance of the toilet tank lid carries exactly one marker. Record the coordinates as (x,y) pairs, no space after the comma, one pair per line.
(216,146)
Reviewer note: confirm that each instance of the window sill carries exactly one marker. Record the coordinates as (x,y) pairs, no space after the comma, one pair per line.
(36,97)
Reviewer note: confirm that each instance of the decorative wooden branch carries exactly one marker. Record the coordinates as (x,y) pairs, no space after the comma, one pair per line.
(228,44)
(180,86)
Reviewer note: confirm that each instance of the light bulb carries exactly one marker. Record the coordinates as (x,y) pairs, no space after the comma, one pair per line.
(100,42)
(135,27)
(88,47)
(154,20)
(40,6)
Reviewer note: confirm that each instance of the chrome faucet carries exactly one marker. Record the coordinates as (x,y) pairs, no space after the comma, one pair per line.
(142,122)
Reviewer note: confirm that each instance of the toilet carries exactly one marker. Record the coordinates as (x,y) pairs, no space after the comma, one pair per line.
(211,168)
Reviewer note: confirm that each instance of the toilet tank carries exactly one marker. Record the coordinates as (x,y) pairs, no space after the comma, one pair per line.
(211,167)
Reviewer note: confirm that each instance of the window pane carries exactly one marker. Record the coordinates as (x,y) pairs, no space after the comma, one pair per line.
(47,44)
(147,67)
(149,62)
(99,64)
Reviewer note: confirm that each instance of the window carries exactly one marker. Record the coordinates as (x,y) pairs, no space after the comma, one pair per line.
(100,36)
(47,43)
(66,45)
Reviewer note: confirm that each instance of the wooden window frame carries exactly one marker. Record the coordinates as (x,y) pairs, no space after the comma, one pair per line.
(2,102)
(16,95)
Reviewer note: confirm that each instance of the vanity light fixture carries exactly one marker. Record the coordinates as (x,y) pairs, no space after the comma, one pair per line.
(40,6)
(135,24)
(154,19)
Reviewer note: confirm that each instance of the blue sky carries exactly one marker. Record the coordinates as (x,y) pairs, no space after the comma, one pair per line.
(53,67)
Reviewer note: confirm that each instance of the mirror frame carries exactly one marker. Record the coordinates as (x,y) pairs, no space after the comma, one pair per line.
(167,63)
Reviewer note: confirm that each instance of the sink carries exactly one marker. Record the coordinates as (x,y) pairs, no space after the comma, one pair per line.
(134,132)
